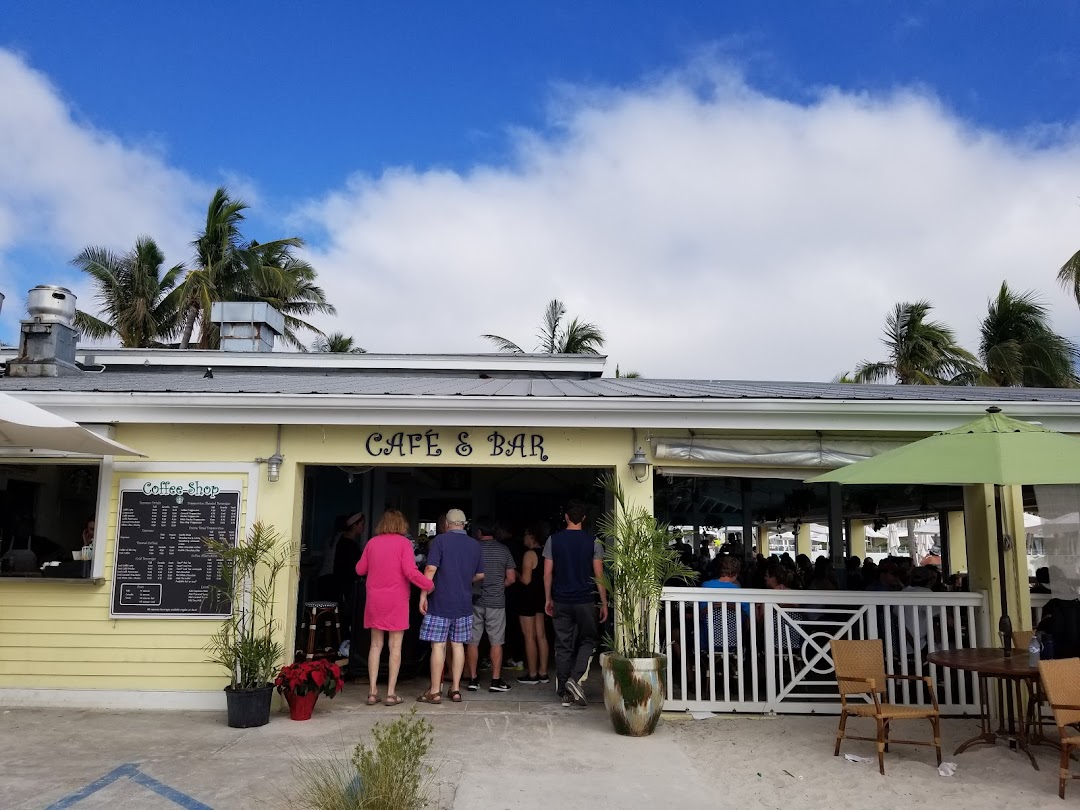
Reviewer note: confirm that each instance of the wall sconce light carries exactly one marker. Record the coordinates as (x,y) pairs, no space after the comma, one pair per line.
(273,464)
(639,466)
(273,467)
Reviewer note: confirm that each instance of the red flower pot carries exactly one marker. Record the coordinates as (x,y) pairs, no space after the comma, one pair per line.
(301,706)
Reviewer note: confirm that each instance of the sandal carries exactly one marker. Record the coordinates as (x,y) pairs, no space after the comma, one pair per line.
(392,700)
(372,699)
(455,696)
(427,697)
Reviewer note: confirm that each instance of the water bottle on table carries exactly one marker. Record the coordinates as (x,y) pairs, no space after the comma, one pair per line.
(1034,650)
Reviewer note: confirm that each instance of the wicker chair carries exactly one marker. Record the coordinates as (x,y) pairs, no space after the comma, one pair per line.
(860,670)
(1061,683)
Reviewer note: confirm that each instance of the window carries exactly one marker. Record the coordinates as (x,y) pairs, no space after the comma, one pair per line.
(47,516)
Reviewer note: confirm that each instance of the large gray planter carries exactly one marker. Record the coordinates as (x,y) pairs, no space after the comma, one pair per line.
(634,690)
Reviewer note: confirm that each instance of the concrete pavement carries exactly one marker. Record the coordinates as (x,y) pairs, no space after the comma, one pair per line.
(519,750)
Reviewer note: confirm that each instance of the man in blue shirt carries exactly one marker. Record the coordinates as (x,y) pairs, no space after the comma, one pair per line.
(573,563)
(454,563)
(724,573)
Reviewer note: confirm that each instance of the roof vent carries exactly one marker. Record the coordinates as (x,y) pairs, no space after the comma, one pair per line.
(247,326)
(47,339)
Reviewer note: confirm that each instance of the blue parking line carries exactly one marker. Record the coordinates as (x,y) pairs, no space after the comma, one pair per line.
(132,772)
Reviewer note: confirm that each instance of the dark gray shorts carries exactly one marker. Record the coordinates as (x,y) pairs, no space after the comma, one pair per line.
(493,620)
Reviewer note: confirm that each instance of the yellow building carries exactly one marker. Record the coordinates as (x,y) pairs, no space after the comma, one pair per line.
(295,439)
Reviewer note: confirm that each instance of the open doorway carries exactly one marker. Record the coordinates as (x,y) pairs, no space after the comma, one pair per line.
(514,498)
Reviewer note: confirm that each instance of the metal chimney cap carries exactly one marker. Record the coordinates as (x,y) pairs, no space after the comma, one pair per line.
(49,303)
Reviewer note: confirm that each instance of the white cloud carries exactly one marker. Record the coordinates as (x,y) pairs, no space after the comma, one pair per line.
(65,184)
(710,229)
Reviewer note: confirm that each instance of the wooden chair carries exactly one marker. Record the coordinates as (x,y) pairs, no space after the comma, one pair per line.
(860,670)
(1061,683)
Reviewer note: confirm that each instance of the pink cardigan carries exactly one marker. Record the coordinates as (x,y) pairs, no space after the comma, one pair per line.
(389,565)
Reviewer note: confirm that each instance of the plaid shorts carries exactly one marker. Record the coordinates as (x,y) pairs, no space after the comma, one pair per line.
(437,629)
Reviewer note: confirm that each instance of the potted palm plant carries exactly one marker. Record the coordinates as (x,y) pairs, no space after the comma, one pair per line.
(247,644)
(638,561)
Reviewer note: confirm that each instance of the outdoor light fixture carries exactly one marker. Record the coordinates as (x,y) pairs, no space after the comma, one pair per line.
(273,464)
(639,465)
(273,467)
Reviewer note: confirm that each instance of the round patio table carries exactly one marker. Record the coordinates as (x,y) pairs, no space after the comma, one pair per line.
(1011,674)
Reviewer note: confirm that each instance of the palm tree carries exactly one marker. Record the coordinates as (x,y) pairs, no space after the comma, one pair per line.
(287,283)
(921,352)
(337,343)
(217,257)
(140,306)
(229,268)
(576,337)
(1069,276)
(844,378)
(1018,347)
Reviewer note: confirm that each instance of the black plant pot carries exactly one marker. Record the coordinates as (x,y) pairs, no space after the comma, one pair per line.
(249,708)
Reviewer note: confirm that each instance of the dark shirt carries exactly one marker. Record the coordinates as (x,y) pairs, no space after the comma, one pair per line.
(457,558)
(572,552)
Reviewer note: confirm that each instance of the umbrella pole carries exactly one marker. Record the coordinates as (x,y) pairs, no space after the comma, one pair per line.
(1004,623)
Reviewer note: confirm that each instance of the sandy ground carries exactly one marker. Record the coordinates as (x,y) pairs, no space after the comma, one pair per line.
(520,750)
(787,762)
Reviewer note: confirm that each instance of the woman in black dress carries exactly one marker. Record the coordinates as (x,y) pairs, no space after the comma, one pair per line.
(530,608)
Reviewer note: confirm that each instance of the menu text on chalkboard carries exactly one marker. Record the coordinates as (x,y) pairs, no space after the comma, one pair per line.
(162,566)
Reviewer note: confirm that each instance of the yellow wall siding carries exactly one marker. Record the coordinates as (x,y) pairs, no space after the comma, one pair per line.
(60,635)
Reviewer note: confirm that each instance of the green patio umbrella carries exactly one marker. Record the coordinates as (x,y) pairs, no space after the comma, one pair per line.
(994,449)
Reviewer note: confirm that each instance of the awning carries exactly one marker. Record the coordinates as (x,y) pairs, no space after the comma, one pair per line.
(801,455)
(29,427)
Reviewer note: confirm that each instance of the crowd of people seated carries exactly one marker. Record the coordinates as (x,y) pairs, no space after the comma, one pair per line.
(725,628)
(799,573)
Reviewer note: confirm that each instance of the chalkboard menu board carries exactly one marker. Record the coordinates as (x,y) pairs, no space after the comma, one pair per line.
(162,566)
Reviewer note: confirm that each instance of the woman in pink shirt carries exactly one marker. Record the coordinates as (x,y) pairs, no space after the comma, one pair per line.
(389,565)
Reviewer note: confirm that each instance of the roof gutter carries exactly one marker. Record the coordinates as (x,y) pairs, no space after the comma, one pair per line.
(564,412)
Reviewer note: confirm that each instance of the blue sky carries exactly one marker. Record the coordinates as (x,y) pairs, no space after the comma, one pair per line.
(306,110)
(297,99)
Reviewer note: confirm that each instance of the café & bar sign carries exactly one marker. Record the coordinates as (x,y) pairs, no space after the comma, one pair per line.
(432,443)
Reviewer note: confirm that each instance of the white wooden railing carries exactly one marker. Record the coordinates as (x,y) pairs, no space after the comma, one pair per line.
(769,650)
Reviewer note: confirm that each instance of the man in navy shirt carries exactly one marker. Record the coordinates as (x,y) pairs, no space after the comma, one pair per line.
(454,563)
(572,565)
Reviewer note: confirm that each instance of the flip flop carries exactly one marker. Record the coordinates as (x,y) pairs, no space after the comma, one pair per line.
(392,700)
(427,697)
(455,696)
(372,700)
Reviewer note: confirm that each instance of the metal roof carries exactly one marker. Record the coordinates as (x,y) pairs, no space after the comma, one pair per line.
(498,364)
(340,382)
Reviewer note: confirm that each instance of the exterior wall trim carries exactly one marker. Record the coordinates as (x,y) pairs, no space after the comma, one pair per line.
(599,412)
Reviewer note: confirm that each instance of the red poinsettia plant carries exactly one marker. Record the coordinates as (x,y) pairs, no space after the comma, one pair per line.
(305,677)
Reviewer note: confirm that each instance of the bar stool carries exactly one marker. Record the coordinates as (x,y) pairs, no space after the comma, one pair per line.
(327,614)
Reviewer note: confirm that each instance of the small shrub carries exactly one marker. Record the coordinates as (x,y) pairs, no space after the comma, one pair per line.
(325,784)
(393,773)
(390,774)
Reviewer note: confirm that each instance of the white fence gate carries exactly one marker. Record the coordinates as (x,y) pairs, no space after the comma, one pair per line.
(746,650)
